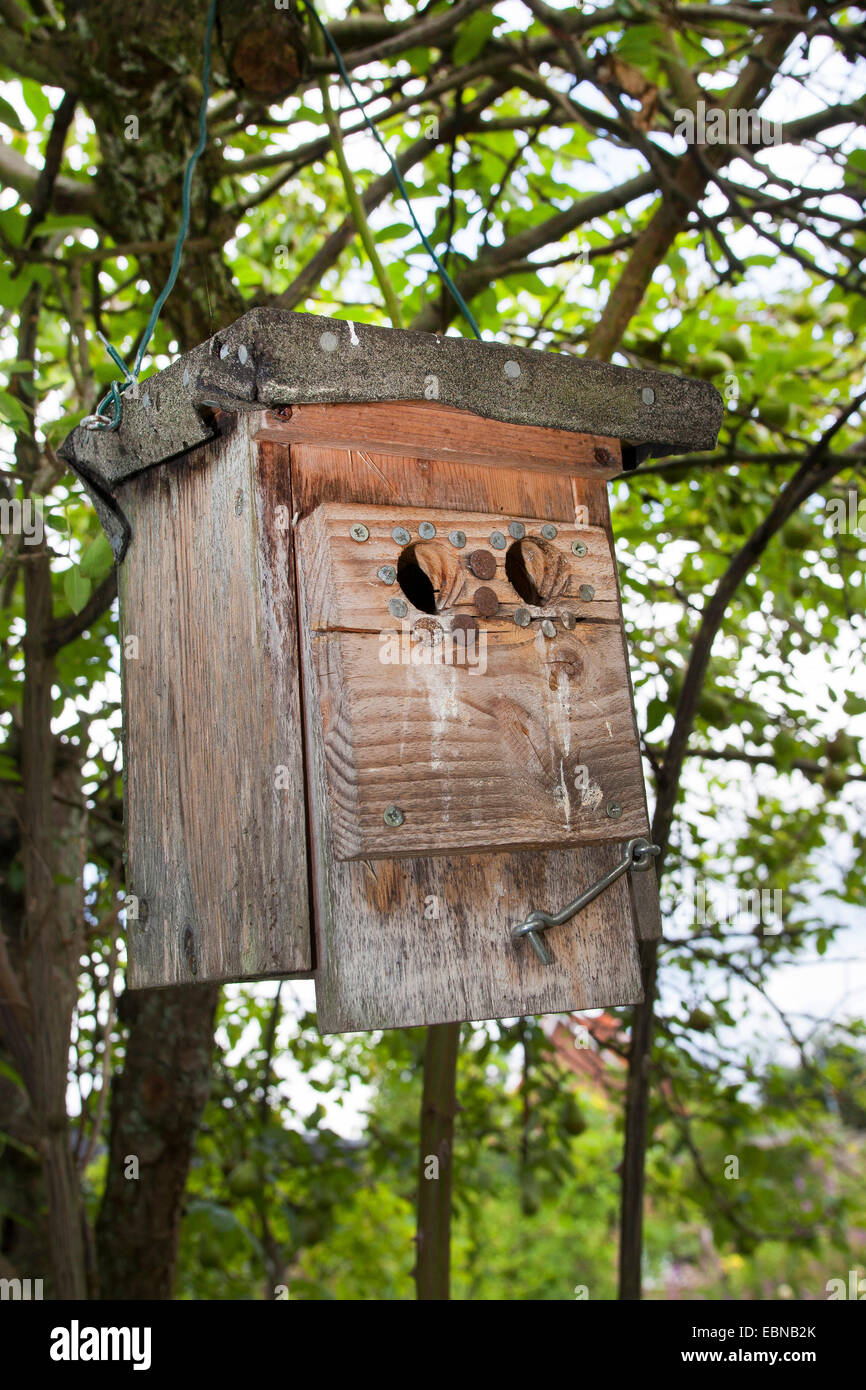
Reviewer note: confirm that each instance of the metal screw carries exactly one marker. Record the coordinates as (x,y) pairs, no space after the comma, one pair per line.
(457,539)
(398,608)
(387,574)
(522,617)
(242,355)
(614,810)
(497,540)
(568,620)
(517,530)
(648,395)
(394,816)
(328,342)
(427,530)
(578,547)
(549,532)
(359,532)
(603,456)
(512,369)
(401,535)
(224,351)
(548,628)
(586,592)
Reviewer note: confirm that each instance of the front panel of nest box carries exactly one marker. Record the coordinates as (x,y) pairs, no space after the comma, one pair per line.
(214,781)
(472,755)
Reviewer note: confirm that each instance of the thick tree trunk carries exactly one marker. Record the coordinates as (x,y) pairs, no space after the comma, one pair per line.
(156,1106)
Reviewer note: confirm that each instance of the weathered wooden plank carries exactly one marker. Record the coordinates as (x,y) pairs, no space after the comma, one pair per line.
(402,942)
(214,782)
(345,588)
(592,506)
(435,431)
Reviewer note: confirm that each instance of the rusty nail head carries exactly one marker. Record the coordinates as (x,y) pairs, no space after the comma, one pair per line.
(359,532)
(517,530)
(549,532)
(398,608)
(614,810)
(548,628)
(586,592)
(486,602)
(426,530)
(578,547)
(387,574)
(394,816)
(603,456)
(401,535)
(457,539)
(522,617)
(482,564)
(568,619)
(282,412)
(464,622)
(428,632)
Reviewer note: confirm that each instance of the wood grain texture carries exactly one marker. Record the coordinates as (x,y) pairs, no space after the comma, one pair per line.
(512,739)
(436,431)
(593,506)
(344,589)
(214,785)
(404,942)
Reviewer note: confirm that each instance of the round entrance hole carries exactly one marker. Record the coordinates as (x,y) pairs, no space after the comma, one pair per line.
(532,567)
(424,573)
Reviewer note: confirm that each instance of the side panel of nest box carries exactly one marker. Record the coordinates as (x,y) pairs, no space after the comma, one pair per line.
(214,781)
(420,933)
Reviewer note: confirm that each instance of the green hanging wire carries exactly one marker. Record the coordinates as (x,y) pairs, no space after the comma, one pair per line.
(115,391)
(446,278)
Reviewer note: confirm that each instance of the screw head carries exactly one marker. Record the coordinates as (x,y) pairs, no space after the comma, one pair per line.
(393,816)
(648,395)
(578,548)
(517,530)
(586,592)
(568,620)
(426,530)
(398,608)
(497,540)
(457,539)
(522,617)
(387,574)
(614,810)
(604,457)
(359,532)
(548,532)
(401,535)
(548,628)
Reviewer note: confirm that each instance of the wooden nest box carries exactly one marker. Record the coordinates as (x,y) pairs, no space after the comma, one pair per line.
(377,707)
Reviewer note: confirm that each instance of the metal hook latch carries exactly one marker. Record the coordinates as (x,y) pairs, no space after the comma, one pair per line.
(638,855)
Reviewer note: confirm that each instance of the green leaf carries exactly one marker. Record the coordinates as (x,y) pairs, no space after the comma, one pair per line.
(12,412)
(76,588)
(97,559)
(472,36)
(9,116)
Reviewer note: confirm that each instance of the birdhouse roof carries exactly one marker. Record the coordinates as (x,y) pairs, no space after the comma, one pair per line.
(275,357)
